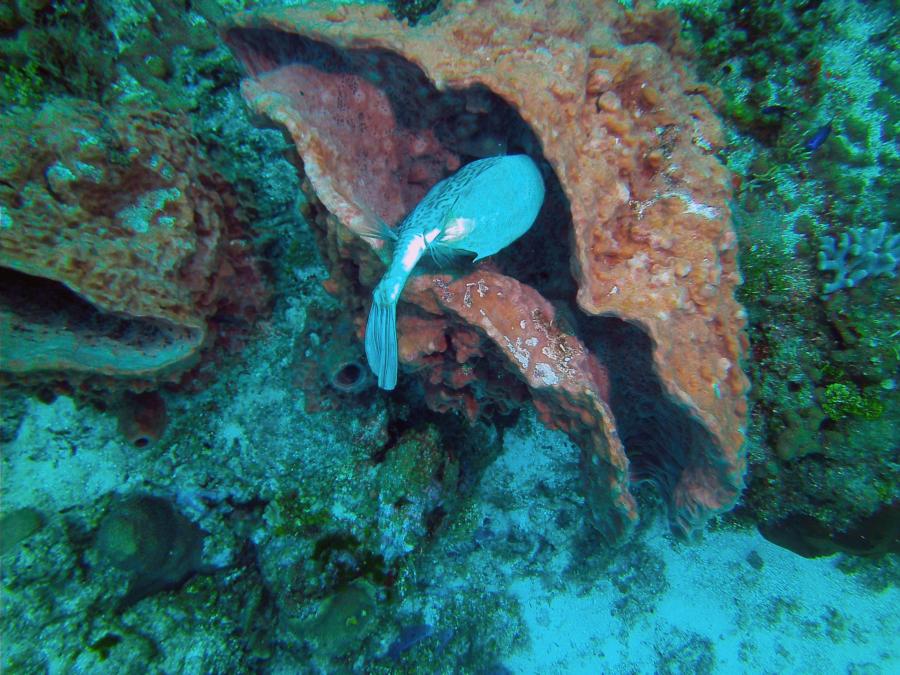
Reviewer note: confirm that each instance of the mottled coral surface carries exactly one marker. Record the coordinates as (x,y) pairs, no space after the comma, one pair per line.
(117,244)
(646,325)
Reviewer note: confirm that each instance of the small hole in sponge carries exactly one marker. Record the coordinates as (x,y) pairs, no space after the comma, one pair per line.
(142,417)
(349,378)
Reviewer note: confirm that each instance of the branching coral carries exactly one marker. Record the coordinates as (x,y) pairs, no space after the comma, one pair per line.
(859,254)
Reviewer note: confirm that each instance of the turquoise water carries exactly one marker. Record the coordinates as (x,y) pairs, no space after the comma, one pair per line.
(199,473)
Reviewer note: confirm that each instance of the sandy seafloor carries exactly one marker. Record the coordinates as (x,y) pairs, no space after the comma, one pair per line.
(731,602)
(791,615)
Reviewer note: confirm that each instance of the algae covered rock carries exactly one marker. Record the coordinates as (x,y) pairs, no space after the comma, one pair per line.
(343,621)
(16,526)
(147,538)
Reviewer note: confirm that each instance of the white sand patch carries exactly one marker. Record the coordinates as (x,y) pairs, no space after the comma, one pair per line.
(718,613)
(64,456)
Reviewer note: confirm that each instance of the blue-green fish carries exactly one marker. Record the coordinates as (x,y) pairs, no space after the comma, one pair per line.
(482,208)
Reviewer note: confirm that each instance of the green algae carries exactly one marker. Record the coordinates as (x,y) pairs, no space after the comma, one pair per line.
(823,369)
(412,10)
(58,48)
(17,526)
(22,86)
(841,399)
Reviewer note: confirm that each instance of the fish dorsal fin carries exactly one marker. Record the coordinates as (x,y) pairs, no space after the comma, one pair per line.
(374,226)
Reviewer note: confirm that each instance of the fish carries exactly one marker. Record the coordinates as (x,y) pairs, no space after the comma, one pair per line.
(480,209)
(817,139)
(409,637)
(775,110)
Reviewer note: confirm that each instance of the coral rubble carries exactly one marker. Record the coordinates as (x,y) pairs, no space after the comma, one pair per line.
(380,112)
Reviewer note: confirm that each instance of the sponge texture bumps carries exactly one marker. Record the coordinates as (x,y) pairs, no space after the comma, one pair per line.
(117,243)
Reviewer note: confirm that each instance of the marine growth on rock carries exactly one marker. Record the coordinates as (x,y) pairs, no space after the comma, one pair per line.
(617,310)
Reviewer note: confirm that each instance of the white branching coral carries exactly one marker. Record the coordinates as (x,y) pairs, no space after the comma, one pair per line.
(859,254)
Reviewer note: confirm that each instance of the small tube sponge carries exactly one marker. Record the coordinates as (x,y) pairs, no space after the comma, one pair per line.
(349,377)
(142,417)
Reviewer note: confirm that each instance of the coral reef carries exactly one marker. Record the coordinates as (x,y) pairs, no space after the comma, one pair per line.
(153,52)
(813,219)
(273,512)
(119,245)
(148,539)
(90,152)
(860,253)
(627,138)
(66,603)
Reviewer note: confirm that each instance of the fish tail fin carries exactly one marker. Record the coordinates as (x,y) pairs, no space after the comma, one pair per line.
(381,342)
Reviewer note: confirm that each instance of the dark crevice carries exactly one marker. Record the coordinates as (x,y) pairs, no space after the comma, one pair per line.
(472,123)
(661,438)
(37,301)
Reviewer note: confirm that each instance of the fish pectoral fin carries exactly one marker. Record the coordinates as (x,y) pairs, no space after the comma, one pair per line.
(442,243)
(381,343)
(442,254)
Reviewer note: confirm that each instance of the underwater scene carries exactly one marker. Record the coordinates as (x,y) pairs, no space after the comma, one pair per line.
(491,337)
